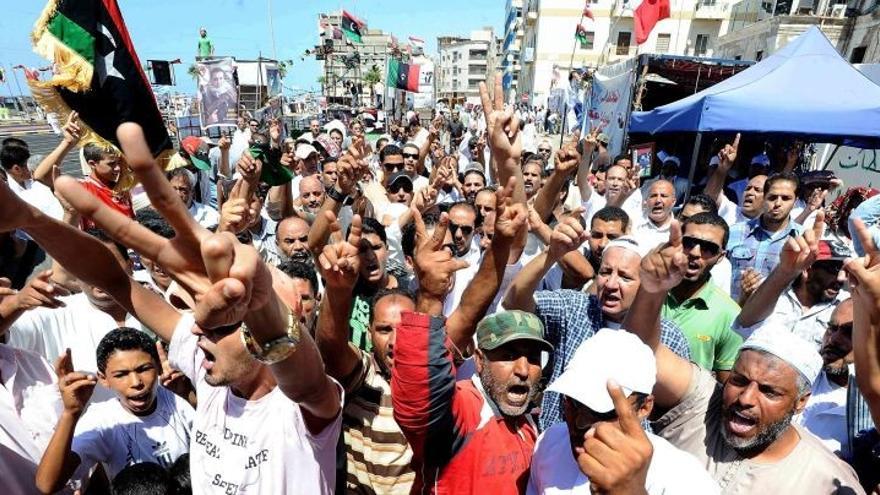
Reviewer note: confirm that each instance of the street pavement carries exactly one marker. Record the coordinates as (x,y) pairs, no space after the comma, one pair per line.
(41,141)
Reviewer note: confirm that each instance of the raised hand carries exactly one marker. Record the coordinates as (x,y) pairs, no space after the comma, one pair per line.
(347,174)
(339,263)
(510,218)
(800,252)
(6,287)
(664,267)
(505,140)
(171,378)
(72,131)
(40,292)
(615,457)
(275,132)
(425,198)
(435,266)
(224,143)
(249,167)
(567,160)
(568,235)
(234,215)
(864,273)
(727,155)
(226,278)
(76,388)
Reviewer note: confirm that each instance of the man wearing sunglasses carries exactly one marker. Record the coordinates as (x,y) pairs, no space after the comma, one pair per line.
(704,312)
(615,425)
(806,287)
(393,160)
(835,397)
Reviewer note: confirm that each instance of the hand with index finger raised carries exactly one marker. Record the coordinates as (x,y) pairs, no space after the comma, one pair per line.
(664,267)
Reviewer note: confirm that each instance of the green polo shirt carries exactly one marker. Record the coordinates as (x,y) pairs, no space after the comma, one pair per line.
(706,319)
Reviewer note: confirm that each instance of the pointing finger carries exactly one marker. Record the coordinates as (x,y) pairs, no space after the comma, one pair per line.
(736,141)
(675,234)
(629,422)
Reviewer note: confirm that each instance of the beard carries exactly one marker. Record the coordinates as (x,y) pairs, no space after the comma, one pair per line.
(497,390)
(765,436)
(836,370)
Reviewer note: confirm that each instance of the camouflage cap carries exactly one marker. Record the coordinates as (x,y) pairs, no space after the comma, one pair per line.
(498,329)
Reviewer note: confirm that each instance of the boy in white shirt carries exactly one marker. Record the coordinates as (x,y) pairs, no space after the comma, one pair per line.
(147,423)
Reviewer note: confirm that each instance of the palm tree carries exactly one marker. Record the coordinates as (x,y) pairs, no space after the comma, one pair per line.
(193,72)
(371,78)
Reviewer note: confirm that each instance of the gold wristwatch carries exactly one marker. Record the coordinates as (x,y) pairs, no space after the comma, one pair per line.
(276,350)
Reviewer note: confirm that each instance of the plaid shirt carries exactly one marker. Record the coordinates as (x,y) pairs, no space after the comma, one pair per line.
(749,245)
(571,317)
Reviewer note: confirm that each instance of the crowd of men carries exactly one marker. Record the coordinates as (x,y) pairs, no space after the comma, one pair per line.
(453,308)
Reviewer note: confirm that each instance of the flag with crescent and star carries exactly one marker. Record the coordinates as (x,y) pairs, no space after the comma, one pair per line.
(96,72)
(403,76)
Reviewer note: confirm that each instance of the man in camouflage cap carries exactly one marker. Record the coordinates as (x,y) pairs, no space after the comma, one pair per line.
(509,359)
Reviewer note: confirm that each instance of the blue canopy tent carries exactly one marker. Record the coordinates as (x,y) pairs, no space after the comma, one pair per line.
(805,89)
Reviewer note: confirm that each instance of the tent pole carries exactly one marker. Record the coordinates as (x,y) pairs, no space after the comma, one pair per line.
(693,170)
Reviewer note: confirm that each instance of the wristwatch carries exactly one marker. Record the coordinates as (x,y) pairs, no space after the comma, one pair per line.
(336,195)
(275,350)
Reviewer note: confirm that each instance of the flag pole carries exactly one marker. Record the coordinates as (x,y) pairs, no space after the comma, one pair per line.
(570,70)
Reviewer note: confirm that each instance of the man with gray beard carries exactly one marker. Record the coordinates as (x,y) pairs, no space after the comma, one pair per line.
(291,243)
(742,430)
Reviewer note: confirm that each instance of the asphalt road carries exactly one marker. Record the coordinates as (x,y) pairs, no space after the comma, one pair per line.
(42,142)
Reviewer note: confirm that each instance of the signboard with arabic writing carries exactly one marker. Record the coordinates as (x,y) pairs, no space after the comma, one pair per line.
(610,101)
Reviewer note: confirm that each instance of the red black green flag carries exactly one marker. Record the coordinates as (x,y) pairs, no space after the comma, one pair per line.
(403,76)
(352,27)
(97,72)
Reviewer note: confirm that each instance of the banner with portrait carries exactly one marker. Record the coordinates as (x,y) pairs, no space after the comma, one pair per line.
(218,94)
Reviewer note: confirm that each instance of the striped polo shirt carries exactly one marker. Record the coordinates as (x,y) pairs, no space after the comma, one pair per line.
(377,453)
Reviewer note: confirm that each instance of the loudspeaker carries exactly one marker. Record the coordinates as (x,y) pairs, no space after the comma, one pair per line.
(161,70)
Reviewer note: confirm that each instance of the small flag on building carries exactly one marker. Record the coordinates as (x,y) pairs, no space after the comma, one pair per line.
(403,76)
(647,15)
(97,72)
(417,42)
(588,12)
(580,34)
(352,27)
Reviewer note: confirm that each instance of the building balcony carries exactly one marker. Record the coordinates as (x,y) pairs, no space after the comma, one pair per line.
(711,10)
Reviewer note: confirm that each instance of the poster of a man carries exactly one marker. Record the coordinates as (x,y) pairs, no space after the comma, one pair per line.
(219,96)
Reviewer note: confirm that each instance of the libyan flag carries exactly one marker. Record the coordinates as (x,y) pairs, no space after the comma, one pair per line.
(97,72)
(352,27)
(403,76)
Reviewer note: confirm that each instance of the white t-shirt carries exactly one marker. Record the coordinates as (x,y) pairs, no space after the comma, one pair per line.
(78,326)
(240,446)
(39,196)
(463,277)
(30,405)
(110,434)
(672,471)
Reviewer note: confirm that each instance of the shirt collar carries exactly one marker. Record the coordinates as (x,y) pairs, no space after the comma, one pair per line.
(700,299)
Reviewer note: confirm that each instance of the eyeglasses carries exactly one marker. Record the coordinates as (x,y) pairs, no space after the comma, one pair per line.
(412,156)
(466,230)
(708,248)
(393,167)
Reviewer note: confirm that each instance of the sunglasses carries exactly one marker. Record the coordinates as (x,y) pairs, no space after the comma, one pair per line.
(413,156)
(466,230)
(393,167)
(830,266)
(708,248)
(397,186)
(846,327)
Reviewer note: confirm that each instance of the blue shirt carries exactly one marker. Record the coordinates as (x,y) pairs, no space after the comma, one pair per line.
(750,245)
(571,317)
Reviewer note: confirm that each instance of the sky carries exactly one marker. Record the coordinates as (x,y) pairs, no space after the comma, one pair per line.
(168,29)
